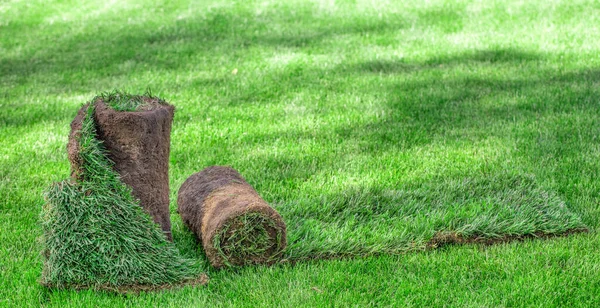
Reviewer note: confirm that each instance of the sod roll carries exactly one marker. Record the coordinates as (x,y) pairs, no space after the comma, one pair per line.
(96,235)
(236,226)
(138,142)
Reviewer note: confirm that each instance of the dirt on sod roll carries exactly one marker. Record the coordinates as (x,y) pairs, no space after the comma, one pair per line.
(236,226)
(138,142)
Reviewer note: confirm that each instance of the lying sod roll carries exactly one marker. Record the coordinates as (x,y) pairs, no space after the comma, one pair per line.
(236,226)
(136,132)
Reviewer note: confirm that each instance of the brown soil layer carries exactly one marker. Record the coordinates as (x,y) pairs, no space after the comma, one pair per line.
(138,142)
(212,199)
(135,289)
(73,143)
(445,238)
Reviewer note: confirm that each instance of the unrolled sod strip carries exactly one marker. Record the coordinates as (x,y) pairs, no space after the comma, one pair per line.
(236,226)
(138,142)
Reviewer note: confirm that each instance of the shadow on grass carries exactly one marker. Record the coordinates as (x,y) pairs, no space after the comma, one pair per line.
(455,97)
(81,62)
(108,51)
(524,106)
(549,118)
(443,62)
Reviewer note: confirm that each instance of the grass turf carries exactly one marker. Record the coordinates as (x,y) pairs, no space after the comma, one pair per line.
(407,218)
(320,103)
(122,101)
(246,239)
(95,234)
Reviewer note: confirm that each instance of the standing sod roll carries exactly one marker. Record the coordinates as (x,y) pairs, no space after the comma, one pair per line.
(236,226)
(136,132)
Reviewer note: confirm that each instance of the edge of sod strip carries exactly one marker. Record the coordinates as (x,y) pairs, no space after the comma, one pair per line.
(419,216)
(446,238)
(95,234)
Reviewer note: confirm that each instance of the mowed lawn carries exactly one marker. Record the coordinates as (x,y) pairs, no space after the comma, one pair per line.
(371,126)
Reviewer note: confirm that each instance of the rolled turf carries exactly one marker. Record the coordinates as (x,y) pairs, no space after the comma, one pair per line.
(236,226)
(136,132)
(95,234)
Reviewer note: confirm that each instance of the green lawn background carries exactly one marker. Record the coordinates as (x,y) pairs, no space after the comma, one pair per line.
(326,97)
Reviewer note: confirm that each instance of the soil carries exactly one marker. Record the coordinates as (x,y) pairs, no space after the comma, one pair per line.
(210,199)
(73,143)
(444,238)
(138,142)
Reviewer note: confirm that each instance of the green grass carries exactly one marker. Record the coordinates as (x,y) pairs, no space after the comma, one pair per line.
(358,110)
(392,221)
(122,101)
(246,240)
(96,235)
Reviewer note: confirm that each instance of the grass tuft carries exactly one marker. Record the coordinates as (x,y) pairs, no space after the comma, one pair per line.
(96,235)
(122,101)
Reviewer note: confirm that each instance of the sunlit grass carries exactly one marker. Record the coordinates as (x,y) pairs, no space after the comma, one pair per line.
(331,104)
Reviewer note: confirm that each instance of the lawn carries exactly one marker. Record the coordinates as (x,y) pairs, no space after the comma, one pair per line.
(371,126)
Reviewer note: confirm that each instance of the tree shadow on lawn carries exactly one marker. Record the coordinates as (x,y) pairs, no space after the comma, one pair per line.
(441,62)
(531,114)
(550,123)
(422,110)
(476,107)
(77,63)
(551,119)
(221,32)
(438,100)
(539,113)
(87,61)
